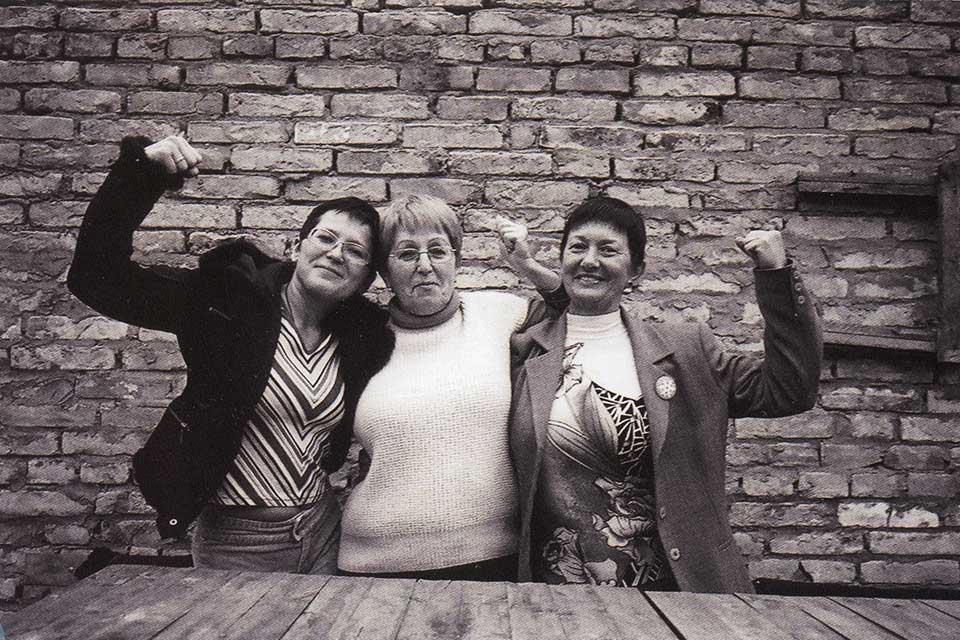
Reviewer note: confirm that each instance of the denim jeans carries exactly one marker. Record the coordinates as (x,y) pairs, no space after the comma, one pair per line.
(306,543)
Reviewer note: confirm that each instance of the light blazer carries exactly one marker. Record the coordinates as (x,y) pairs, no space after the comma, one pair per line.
(689,430)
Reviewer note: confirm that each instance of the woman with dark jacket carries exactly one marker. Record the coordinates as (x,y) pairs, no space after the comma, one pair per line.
(618,424)
(277,354)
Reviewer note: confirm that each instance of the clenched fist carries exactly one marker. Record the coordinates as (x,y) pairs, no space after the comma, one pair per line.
(513,242)
(175,155)
(765,247)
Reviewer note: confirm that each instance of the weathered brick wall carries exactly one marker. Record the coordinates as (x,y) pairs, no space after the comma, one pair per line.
(702,112)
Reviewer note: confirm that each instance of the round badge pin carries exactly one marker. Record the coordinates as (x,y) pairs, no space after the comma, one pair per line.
(666,387)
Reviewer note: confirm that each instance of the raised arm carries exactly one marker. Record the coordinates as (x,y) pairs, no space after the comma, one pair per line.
(102,273)
(515,248)
(786,380)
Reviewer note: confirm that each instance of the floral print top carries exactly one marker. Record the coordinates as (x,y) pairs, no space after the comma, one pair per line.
(596,512)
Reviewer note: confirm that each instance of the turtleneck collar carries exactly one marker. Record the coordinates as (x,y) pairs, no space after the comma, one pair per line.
(406,320)
(595,326)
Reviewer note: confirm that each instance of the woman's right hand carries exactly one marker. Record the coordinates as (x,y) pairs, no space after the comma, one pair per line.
(175,155)
(513,243)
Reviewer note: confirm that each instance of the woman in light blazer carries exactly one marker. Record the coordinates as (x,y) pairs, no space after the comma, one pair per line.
(618,425)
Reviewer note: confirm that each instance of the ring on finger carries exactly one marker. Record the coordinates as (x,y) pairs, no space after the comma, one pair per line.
(179,159)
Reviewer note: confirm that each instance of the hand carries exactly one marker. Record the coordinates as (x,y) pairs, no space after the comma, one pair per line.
(765,247)
(175,155)
(514,245)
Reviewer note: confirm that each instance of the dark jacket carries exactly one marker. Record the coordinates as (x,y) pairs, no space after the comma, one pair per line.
(226,316)
(689,430)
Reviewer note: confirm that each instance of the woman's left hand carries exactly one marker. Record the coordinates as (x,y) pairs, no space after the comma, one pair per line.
(765,247)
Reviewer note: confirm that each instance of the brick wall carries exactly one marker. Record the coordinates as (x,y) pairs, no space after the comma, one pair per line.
(702,112)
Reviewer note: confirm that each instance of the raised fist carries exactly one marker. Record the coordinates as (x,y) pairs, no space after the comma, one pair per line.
(175,155)
(765,247)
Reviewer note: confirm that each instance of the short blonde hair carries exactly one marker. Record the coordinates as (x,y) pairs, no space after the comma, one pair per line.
(413,213)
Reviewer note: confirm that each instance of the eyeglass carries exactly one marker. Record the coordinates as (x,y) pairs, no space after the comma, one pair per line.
(327,242)
(605,251)
(435,254)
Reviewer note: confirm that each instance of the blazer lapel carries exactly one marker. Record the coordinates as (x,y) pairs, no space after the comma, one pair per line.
(651,357)
(545,371)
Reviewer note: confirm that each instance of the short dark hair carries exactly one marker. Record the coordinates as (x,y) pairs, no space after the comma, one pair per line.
(616,213)
(354,208)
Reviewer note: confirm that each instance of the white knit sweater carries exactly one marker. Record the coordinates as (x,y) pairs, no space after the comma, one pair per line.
(440,491)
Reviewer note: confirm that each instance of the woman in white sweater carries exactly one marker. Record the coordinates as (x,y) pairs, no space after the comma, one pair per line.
(439,499)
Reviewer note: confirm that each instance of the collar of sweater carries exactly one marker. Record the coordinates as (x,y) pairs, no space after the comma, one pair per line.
(406,320)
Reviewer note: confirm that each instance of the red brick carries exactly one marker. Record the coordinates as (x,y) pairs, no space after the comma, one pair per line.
(775,8)
(261,158)
(133,75)
(916,457)
(715,29)
(37,127)
(121,20)
(233,186)
(945,11)
(401,107)
(655,166)
(39,503)
(192,47)
(503,193)
(916,572)
(79,101)
(826,60)
(179,102)
(856,9)
(13,72)
(365,133)
(324,188)
(460,50)
(249,46)
(901,37)
(294,21)
(554,51)
(921,146)
(89,45)
(500,163)
(686,83)
(724,55)
(386,162)
(28,17)
(346,77)
(526,23)
(238,131)
(914,543)
(473,108)
(149,46)
(901,90)
(833,543)
(38,45)
(411,23)
(821,34)
(631,26)
(451,190)
(772,57)
(212,20)
(755,514)
(238,74)
(477,136)
(513,79)
(261,105)
(564,108)
(621,51)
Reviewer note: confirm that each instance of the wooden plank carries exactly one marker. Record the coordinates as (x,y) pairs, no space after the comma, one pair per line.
(354,608)
(856,188)
(40,613)
(485,610)
(949,607)
(533,613)
(84,617)
(790,617)
(862,177)
(895,343)
(210,615)
(632,614)
(434,611)
(842,620)
(270,617)
(145,614)
(905,618)
(948,338)
(699,616)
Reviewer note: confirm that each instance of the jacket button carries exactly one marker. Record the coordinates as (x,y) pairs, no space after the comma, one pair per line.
(801,299)
(674,554)
(663,512)
(173,522)
(798,287)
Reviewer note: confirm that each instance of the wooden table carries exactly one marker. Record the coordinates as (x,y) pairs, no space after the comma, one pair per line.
(160,603)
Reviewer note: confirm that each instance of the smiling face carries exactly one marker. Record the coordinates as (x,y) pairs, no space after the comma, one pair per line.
(596,267)
(330,262)
(424,286)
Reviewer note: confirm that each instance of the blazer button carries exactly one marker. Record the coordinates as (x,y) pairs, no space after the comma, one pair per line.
(674,554)
(173,522)
(801,299)
(663,512)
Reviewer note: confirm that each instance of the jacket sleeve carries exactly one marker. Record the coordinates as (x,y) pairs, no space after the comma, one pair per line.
(550,304)
(785,381)
(102,273)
